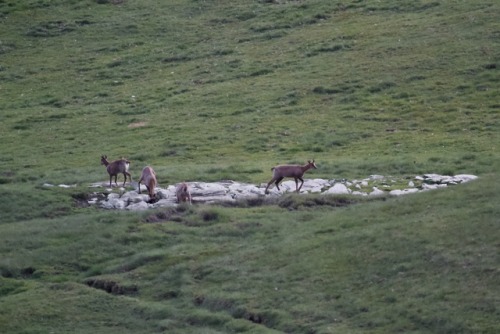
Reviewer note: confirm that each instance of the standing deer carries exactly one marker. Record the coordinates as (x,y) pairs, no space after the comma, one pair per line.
(182,193)
(116,167)
(148,176)
(295,171)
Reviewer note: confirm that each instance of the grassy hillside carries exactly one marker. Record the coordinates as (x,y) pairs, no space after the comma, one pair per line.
(209,90)
(426,263)
(400,87)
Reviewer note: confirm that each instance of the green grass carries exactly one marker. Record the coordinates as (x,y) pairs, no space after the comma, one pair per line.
(212,90)
(422,263)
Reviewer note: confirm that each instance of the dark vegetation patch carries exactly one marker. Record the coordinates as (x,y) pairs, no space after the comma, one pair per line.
(260,72)
(297,202)
(50,29)
(8,272)
(11,287)
(207,214)
(337,44)
(112,287)
(176,58)
(4,48)
(294,202)
(81,199)
(400,6)
(268,319)
(250,202)
(347,88)
(7,177)
(175,214)
(381,87)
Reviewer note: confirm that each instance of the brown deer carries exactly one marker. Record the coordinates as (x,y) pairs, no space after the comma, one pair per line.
(148,177)
(295,171)
(116,167)
(182,193)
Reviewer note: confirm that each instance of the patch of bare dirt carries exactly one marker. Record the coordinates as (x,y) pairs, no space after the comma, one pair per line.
(137,125)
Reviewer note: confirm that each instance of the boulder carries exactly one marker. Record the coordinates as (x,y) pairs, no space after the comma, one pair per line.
(207,189)
(141,206)
(338,189)
(377,192)
(399,192)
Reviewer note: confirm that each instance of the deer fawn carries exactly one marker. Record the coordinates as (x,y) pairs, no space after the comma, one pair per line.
(182,193)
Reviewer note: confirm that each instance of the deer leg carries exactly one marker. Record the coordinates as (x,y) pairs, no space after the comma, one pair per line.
(268,185)
(149,193)
(110,178)
(278,182)
(139,185)
(302,183)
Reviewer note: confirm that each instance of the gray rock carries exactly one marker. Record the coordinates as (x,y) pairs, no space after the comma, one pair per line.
(399,192)
(207,189)
(377,192)
(115,203)
(338,189)
(141,206)
(462,178)
(133,197)
(359,193)
(426,186)
(213,199)
(203,192)
(113,196)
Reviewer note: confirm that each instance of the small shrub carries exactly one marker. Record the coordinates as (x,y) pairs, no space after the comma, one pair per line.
(381,87)
(323,90)
(112,287)
(209,215)
(469,156)
(260,72)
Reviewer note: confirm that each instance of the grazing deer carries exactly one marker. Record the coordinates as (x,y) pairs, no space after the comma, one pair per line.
(148,177)
(295,171)
(116,167)
(182,193)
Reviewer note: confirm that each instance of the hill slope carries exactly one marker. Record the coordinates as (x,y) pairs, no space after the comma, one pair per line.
(210,90)
(399,87)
